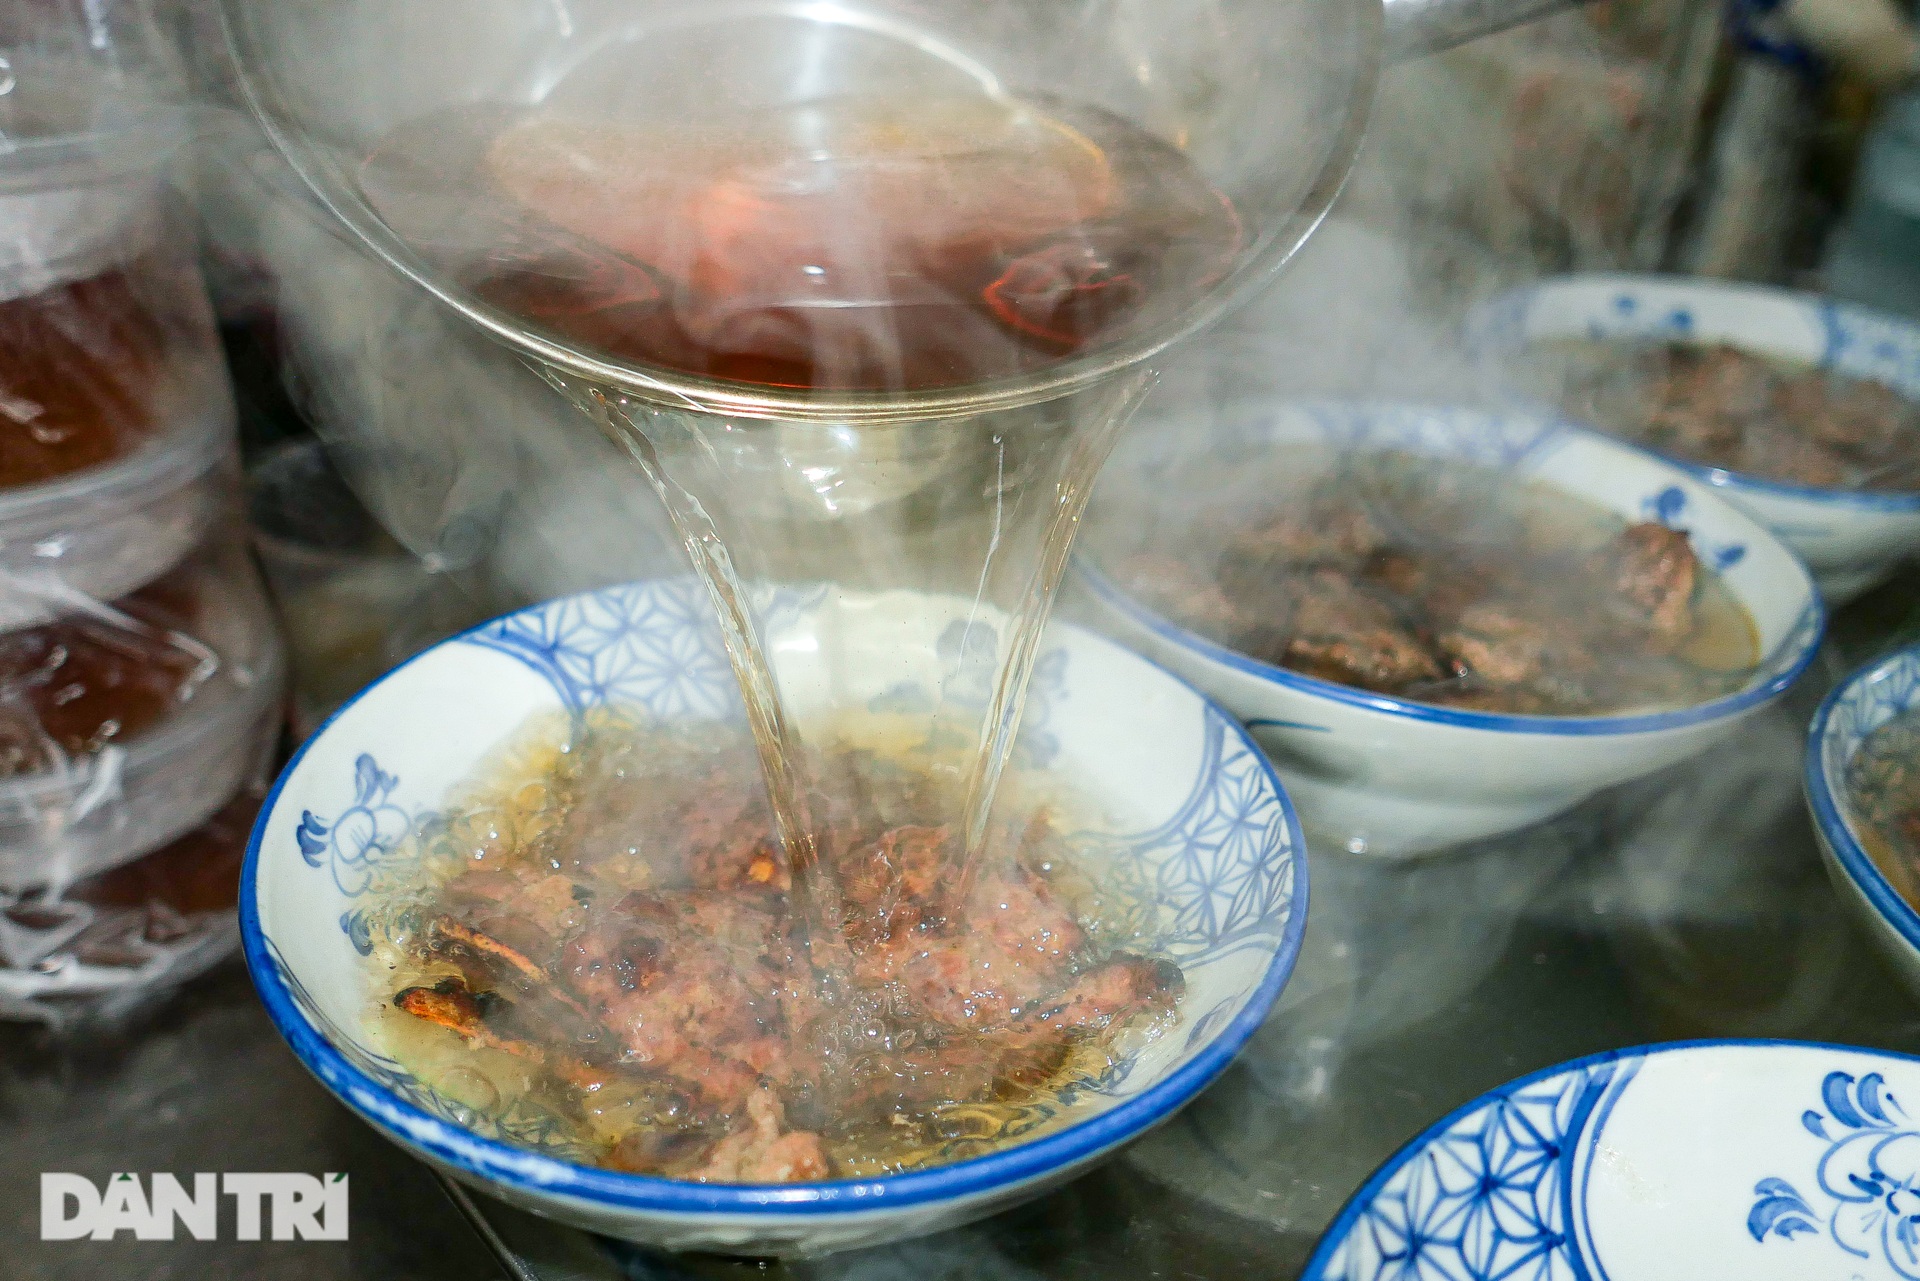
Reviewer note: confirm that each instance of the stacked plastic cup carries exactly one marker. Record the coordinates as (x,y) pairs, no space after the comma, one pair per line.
(140,667)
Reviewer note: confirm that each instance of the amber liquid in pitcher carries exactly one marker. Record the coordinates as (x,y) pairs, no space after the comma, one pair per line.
(844,244)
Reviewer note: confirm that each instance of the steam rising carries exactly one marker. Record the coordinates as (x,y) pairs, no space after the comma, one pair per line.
(1474,179)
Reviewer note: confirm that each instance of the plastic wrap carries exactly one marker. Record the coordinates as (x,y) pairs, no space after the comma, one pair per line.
(140,666)
(114,940)
(114,461)
(125,724)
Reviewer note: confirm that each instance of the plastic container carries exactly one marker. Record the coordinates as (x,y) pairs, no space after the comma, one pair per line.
(119,416)
(106,531)
(92,118)
(126,937)
(115,412)
(102,808)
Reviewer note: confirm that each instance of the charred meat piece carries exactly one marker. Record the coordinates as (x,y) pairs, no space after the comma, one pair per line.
(744,862)
(451,1004)
(1838,414)
(1699,401)
(1331,529)
(524,911)
(1001,1061)
(732,847)
(1524,658)
(540,1006)
(1782,451)
(651,1149)
(480,1017)
(1110,993)
(1013,948)
(891,885)
(1498,645)
(687,987)
(692,1018)
(1341,633)
(1652,573)
(1719,379)
(1726,408)
(764,1150)
(1694,431)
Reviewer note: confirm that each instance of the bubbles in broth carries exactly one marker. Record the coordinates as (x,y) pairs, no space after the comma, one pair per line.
(1714,405)
(1441,582)
(595,949)
(1883,791)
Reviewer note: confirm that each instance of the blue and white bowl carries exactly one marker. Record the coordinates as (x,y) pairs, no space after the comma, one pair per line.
(1747,1160)
(1387,777)
(1200,824)
(1851,539)
(1863,703)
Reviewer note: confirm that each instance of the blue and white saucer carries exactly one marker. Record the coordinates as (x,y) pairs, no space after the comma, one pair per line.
(1744,1160)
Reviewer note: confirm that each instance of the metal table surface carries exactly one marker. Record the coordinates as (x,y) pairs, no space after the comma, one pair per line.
(1691,905)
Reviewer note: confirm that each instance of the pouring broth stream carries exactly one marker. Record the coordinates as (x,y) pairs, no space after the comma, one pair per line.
(876,247)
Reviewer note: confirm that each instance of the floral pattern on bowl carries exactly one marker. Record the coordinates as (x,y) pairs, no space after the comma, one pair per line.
(1680,1160)
(1202,828)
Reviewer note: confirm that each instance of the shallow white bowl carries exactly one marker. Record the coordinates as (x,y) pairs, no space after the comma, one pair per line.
(1200,819)
(1711,1160)
(1850,539)
(1861,704)
(1389,777)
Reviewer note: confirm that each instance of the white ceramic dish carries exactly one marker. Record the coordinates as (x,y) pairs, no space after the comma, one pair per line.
(1388,777)
(1861,704)
(1205,822)
(1850,539)
(1702,1161)
(109,808)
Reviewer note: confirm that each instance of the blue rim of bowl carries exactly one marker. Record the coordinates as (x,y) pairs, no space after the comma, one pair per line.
(1338,1231)
(1721,477)
(1830,815)
(497,1162)
(1499,722)
(1895,501)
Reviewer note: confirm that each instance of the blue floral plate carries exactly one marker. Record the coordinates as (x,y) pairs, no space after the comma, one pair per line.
(1696,1161)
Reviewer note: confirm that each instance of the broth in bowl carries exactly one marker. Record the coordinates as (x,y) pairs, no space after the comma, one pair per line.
(1443,582)
(599,949)
(1717,406)
(1883,791)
